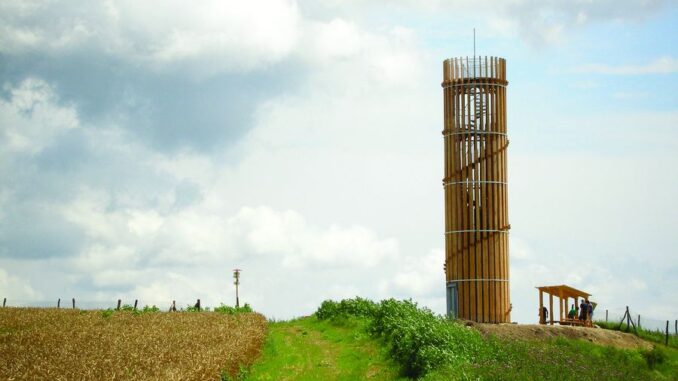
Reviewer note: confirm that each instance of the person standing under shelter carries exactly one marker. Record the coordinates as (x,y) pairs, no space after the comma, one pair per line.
(583,309)
(590,310)
(543,315)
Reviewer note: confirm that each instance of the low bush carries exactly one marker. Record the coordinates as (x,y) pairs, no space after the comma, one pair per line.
(224,309)
(419,339)
(654,357)
(357,307)
(148,309)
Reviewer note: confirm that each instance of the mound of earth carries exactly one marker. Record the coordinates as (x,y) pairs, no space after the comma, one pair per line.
(541,332)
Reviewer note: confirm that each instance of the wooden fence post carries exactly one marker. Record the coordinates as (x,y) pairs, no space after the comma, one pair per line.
(73,303)
(676,328)
(135,304)
(119,301)
(667,332)
(59,303)
(628,319)
(4,301)
(638,321)
(198,304)
(605,316)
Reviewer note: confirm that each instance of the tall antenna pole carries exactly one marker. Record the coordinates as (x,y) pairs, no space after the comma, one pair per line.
(474,43)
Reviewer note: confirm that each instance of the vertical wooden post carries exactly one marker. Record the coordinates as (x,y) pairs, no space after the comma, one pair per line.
(605,316)
(667,332)
(541,307)
(551,308)
(198,304)
(118,307)
(59,303)
(676,328)
(638,321)
(236,276)
(4,301)
(73,303)
(135,304)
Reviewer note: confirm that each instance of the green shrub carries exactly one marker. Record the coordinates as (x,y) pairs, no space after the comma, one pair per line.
(224,309)
(420,340)
(107,313)
(357,307)
(153,308)
(654,357)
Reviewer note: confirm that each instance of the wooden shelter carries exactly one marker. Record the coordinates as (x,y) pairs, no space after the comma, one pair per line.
(564,294)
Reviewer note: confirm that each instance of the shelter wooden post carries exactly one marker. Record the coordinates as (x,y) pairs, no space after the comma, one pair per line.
(551,308)
(541,307)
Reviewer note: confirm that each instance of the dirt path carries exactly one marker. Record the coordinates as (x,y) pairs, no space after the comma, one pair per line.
(540,332)
(306,349)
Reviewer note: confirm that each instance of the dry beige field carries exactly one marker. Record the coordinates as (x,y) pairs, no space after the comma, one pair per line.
(51,344)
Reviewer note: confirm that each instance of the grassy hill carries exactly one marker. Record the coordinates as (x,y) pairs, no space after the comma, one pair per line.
(361,340)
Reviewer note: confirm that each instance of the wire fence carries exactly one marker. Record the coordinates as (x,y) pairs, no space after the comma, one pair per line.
(74,303)
(647,323)
(649,328)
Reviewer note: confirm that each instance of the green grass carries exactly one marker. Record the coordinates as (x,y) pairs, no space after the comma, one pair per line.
(429,347)
(309,349)
(653,336)
(561,359)
(343,349)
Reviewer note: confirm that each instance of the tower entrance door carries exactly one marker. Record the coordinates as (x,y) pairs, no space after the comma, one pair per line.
(452,300)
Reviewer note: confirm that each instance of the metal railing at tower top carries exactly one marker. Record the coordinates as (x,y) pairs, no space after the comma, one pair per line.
(464,68)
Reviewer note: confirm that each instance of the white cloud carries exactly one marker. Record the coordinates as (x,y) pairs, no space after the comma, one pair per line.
(32,117)
(543,23)
(213,37)
(417,277)
(15,288)
(662,65)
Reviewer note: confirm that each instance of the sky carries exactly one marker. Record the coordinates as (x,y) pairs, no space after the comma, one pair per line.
(149,148)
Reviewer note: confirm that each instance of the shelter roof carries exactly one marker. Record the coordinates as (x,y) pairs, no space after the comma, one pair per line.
(564,291)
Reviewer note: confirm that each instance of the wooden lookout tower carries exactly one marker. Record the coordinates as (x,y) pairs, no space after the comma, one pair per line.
(475,183)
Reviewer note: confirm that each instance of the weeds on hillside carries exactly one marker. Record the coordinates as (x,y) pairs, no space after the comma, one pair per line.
(656,336)
(420,340)
(224,309)
(431,347)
